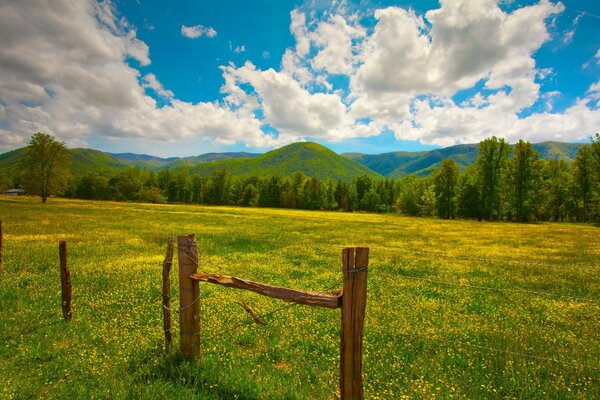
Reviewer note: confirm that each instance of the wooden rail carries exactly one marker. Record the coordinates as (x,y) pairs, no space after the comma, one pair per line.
(297,296)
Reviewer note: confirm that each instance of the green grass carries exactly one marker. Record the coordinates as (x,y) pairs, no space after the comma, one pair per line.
(422,339)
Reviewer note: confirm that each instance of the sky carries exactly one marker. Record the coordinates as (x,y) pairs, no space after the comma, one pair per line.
(187,77)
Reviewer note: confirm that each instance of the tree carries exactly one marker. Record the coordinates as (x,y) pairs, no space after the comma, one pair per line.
(523,180)
(583,179)
(44,164)
(446,182)
(555,190)
(468,194)
(490,163)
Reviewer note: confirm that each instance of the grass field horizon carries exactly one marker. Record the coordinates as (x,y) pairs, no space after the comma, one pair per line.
(455,309)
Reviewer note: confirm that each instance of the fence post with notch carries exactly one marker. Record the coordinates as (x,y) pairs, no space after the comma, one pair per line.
(354,299)
(189,294)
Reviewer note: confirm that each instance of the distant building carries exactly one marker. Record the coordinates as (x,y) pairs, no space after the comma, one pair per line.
(14,192)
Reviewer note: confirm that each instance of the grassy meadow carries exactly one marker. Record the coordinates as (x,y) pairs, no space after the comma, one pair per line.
(433,328)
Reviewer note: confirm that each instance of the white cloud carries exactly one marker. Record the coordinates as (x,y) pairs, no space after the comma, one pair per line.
(334,40)
(63,70)
(287,106)
(196,31)
(412,66)
(240,49)
(569,35)
(150,81)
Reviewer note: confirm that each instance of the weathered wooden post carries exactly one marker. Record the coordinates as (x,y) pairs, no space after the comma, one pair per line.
(1,238)
(167,263)
(355,262)
(65,281)
(189,292)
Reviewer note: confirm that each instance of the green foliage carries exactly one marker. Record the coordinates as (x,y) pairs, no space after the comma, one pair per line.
(525,189)
(555,192)
(583,178)
(43,165)
(490,164)
(446,188)
(309,158)
(523,181)
(468,194)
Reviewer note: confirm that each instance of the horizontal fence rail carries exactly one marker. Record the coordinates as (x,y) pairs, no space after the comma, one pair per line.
(292,295)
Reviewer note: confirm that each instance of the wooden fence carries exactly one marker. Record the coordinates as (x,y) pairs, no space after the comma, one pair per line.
(351,299)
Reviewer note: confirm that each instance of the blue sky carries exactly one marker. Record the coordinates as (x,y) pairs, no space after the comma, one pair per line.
(188,77)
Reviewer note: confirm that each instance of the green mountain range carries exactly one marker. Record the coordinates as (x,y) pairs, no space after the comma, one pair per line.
(309,158)
(422,163)
(176,163)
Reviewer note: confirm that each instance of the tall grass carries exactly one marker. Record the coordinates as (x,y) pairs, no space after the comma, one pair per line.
(431,330)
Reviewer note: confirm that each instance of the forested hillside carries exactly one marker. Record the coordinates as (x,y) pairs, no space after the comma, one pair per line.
(422,163)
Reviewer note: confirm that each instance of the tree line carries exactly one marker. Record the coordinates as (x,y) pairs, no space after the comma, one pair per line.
(503,184)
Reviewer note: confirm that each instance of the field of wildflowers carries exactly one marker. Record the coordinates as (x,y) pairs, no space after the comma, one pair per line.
(455,309)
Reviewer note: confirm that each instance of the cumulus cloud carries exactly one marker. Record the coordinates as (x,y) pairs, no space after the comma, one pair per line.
(292,110)
(413,65)
(64,70)
(196,31)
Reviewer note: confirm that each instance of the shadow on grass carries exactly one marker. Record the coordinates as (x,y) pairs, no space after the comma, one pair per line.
(31,329)
(155,366)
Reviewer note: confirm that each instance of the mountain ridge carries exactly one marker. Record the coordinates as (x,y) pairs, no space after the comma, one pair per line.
(307,157)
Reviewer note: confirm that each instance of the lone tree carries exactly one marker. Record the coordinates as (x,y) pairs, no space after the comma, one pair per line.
(44,166)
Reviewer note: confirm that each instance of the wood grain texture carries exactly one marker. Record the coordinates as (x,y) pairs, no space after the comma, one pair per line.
(1,247)
(189,292)
(166,279)
(354,268)
(65,281)
(292,295)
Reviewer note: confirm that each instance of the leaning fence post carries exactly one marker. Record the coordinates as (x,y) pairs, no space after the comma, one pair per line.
(354,299)
(1,238)
(65,281)
(167,263)
(189,292)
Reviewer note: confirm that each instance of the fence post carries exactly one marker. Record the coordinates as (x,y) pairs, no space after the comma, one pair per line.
(354,299)
(1,238)
(189,292)
(167,263)
(65,281)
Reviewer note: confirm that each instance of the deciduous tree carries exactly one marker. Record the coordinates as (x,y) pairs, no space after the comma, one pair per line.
(523,180)
(446,182)
(44,165)
(493,153)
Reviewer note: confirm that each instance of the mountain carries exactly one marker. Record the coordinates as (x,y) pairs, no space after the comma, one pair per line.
(557,150)
(422,163)
(83,161)
(175,163)
(309,158)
